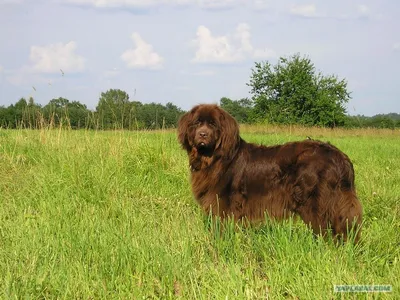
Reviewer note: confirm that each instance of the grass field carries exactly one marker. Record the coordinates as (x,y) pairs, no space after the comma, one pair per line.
(92,215)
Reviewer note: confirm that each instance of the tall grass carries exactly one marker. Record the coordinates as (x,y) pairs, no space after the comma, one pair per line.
(92,214)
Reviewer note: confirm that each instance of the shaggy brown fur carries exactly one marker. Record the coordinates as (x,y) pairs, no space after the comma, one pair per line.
(234,178)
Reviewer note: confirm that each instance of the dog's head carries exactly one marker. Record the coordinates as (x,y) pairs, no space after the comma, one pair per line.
(208,129)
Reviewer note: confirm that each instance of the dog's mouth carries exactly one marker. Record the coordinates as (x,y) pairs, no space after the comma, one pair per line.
(203,144)
(204,149)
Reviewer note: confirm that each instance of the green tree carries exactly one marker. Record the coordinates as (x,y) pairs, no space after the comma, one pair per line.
(71,114)
(152,115)
(7,117)
(381,121)
(172,114)
(3,117)
(135,119)
(293,92)
(114,109)
(241,109)
(56,111)
(78,115)
(31,117)
(19,111)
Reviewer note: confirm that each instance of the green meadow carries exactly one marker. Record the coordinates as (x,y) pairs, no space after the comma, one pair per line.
(110,215)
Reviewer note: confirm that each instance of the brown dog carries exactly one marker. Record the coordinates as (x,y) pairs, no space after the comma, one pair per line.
(234,178)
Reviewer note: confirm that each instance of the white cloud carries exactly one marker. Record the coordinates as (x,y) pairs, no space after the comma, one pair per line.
(46,60)
(225,48)
(208,4)
(53,57)
(148,4)
(142,56)
(1,68)
(306,10)
(396,46)
(213,49)
(243,35)
(113,3)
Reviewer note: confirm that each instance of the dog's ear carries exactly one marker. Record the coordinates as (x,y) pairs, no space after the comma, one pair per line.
(183,126)
(229,136)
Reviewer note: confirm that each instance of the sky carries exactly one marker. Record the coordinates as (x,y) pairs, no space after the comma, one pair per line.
(193,51)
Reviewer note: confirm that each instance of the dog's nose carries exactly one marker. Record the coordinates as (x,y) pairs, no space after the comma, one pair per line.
(203,134)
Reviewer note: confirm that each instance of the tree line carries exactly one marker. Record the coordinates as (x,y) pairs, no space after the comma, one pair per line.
(114,111)
(289,92)
(246,114)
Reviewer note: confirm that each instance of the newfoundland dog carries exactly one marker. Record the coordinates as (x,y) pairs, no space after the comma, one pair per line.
(233,178)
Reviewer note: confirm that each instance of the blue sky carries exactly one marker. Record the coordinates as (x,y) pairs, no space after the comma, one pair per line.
(193,51)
